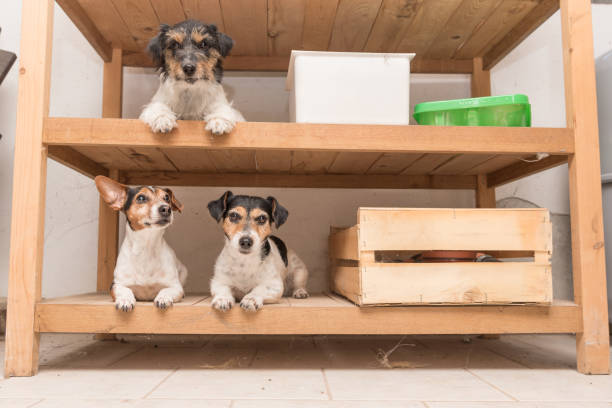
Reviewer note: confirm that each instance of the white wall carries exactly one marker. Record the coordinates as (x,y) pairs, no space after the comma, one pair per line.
(534,68)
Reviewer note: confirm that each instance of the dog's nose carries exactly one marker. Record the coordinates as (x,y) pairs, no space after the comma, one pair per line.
(245,242)
(165,210)
(189,69)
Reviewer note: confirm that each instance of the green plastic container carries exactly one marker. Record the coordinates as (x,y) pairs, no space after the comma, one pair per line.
(505,110)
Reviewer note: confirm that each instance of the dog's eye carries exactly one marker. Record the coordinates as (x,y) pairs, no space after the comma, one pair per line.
(202,45)
(261,220)
(174,45)
(141,199)
(234,217)
(167,198)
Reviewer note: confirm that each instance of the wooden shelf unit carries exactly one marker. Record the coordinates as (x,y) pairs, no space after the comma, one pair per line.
(457,36)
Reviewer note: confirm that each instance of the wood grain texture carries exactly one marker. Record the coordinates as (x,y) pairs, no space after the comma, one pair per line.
(480,83)
(246,21)
(314,137)
(285,26)
(485,195)
(588,250)
(397,229)
(208,11)
(141,20)
(112,26)
(168,11)
(506,15)
(172,178)
(319,16)
(76,161)
(29,185)
(108,242)
(522,169)
(112,90)
(326,315)
(456,283)
(82,21)
(353,23)
(343,243)
(394,18)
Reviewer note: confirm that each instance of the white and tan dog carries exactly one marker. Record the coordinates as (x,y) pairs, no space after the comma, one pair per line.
(189,56)
(254,266)
(147,268)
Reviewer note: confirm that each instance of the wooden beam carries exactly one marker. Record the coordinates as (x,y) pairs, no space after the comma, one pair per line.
(485,195)
(29,185)
(532,20)
(588,249)
(481,79)
(521,169)
(315,137)
(112,89)
(169,178)
(97,314)
(81,20)
(281,63)
(76,161)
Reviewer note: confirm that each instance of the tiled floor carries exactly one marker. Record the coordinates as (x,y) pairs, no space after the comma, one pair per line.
(525,371)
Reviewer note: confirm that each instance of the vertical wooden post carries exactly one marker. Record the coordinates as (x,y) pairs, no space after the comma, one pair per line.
(29,184)
(108,221)
(481,86)
(588,251)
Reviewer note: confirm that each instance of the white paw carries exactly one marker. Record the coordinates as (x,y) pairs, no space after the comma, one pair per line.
(125,303)
(163,123)
(163,301)
(219,126)
(300,293)
(251,304)
(222,303)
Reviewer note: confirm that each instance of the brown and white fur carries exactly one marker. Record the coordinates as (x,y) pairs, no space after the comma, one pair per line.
(254,266)
(147,268)
(189,56)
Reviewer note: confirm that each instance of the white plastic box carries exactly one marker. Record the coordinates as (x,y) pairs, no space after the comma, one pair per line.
(349,87)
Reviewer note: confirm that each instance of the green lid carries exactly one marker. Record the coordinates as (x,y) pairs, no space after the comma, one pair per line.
(487,101)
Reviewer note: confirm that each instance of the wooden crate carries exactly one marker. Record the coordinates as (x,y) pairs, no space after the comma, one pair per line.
(367,267)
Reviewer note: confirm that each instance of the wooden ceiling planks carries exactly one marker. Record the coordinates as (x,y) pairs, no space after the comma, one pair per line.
(246,21)
(440,32)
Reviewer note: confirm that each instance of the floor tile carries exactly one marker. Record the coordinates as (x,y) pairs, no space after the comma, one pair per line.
(161,403)
(244,384)
(548,384)
(83,383)
(325,404)
(17,403)
(519,405)
(410,384)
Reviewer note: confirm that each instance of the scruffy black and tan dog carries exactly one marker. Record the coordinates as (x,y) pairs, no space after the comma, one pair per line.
(147,268)
(254,266)
(189,57)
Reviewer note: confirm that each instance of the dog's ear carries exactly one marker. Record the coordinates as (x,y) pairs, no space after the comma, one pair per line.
(279,213)
(176,204)
(218,207)
(113,193)
(225,43)
(157,44)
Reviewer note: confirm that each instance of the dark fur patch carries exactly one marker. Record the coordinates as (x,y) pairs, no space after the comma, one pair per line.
(282,248)
(190,42)
(277,213)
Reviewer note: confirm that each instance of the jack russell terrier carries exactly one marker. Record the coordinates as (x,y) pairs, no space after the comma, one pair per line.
(147,268)
(254,266)
(189,57)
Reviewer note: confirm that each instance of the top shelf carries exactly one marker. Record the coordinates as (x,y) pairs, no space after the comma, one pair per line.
(445,35)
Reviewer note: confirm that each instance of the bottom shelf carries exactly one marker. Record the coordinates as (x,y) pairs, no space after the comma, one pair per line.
(319,314)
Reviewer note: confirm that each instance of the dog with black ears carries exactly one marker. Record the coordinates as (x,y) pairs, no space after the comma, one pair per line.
(254,266)
(147,267)
(189,57)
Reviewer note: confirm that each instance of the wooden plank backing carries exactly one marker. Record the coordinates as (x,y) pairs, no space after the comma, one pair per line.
(319,18)
(325,316)
(454,229)
(246,22)
(456,283)
(346,282)
(353,23)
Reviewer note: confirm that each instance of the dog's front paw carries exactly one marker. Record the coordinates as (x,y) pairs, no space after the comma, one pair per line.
(219,126)
(125,303)
(163,123)
(251,304)
(300,293)
(163,301)
(222,303)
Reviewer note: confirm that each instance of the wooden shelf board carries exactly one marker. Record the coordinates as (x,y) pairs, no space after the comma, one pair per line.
(446,38)
(319,314)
